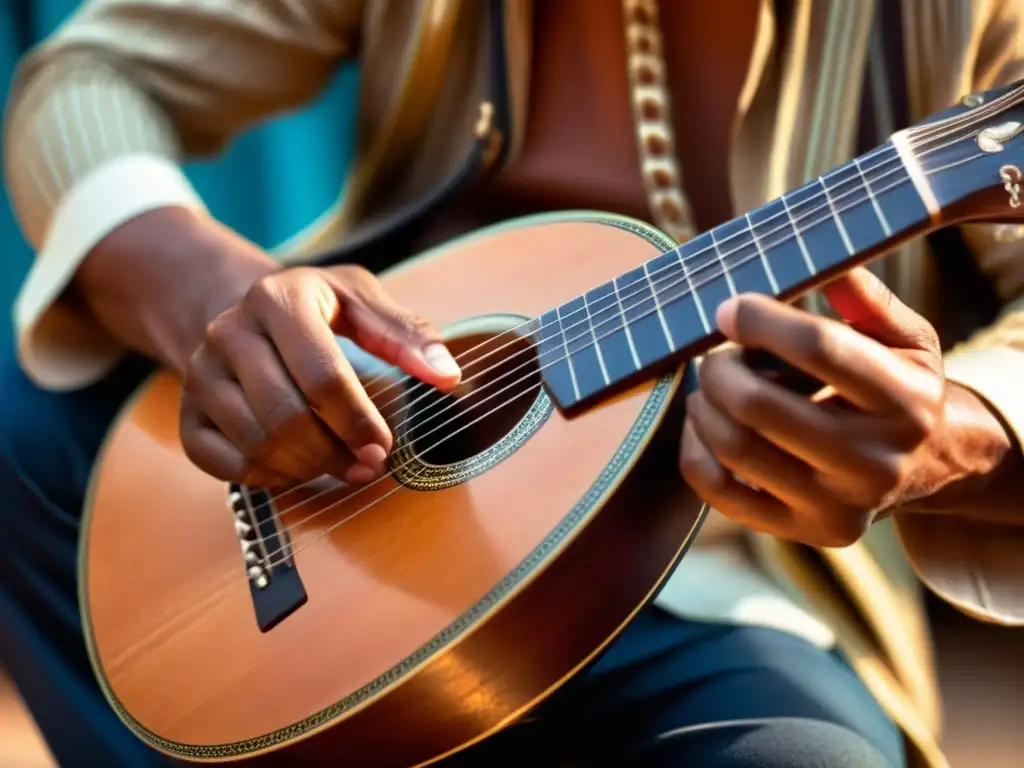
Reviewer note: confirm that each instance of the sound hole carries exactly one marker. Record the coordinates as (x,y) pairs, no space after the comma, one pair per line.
(500,383)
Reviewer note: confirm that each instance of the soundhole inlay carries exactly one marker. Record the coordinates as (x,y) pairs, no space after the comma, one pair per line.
(447,439)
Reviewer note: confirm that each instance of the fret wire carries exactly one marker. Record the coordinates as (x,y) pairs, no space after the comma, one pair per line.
(696,295)
(721,257)
(874,202)
(661,314)
(568,357)
(760,252)
(799,237)
(625,325)
(886,151)
(838,219)
(792,222)
(597,344)
(728,277)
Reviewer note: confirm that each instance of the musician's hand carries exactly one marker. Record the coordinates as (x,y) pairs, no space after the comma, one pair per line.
(819,470)
(269,398)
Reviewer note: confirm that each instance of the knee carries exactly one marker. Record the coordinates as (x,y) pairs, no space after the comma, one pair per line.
(48,440)
(31,450)
(774,743)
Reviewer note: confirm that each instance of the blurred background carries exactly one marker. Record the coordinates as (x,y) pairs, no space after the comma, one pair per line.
(279,178)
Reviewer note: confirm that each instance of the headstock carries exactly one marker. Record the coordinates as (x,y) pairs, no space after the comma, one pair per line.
(972,155)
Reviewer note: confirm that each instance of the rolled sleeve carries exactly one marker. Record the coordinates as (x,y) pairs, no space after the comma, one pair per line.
(102,114)
(58,345)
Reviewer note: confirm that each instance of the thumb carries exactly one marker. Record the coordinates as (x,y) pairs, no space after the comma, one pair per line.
(867,304)
(402,338)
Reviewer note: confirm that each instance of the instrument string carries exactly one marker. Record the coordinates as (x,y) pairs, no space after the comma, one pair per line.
(229,578)
(477,404)
(919,136)
(612,313)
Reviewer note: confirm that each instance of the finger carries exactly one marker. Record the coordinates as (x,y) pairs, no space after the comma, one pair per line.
(315,362)
(718,488)
(820,436)
(214,454)
(866,303)
(393,333)
(753,458)
(243,405)
(296,437)
(862,370)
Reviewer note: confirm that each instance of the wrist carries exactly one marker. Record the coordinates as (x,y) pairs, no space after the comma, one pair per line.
(158,280)
(965,467)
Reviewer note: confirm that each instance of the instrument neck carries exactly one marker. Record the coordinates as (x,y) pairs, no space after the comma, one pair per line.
(663,311)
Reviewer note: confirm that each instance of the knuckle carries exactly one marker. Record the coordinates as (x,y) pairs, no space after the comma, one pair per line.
(359,430)
(749,404)
(406,325)
(219,331)
(734,443)
(888,473)
(353,273)
(702,473)
(210,462)
(323,383)
(263,293)
(260,448)
(285,411)
(709,369)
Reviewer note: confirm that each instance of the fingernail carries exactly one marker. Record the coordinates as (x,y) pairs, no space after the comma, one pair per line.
(725,317)
(440,359)
(372,456)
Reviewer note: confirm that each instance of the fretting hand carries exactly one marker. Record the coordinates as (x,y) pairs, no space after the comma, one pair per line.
(819,470)
(269,398)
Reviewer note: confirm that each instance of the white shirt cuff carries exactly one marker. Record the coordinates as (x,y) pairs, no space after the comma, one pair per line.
(996,375)
(57,346)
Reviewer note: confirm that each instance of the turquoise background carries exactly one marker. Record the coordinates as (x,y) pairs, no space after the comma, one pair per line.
(272,182)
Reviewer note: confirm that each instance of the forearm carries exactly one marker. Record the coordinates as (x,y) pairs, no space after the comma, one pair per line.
(155,282)
(100,116)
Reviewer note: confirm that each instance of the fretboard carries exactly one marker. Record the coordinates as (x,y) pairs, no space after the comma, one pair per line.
(665,310)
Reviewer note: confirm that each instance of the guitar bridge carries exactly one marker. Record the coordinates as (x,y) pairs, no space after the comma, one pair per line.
(274,583)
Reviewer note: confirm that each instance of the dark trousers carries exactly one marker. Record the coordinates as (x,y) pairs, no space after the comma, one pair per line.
(668,692)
